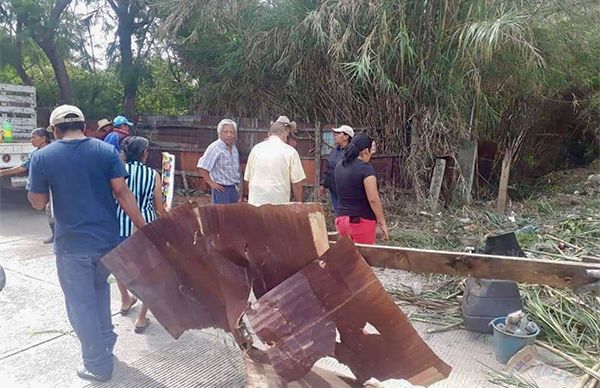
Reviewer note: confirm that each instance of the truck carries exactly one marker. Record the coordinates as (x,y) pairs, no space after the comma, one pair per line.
(18,112)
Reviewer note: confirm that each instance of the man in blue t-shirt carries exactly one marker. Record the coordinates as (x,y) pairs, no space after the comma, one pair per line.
(120,131)
(85,176)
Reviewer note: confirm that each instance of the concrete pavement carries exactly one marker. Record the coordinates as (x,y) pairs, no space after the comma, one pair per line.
(39,349)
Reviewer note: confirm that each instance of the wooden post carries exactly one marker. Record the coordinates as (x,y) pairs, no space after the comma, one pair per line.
(467,158)
(186,189)
(436,182)
(503,189)
(318,141)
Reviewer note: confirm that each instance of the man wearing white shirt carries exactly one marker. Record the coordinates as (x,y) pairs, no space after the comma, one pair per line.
(274,169)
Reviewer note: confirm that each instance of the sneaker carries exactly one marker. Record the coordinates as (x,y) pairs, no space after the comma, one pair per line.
(87,375)
(49,240)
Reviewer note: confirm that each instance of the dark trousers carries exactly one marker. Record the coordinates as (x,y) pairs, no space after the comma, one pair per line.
(87,297)
(230,195)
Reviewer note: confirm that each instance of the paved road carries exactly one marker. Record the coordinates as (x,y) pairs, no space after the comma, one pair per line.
(38,348)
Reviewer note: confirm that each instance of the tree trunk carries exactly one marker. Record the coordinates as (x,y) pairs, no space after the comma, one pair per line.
(60,71)
(21,72)
(19,57)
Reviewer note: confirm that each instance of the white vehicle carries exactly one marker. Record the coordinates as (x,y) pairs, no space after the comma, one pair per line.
(17,107)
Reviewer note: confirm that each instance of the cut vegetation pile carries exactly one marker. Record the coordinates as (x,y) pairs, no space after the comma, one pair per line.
(561,226)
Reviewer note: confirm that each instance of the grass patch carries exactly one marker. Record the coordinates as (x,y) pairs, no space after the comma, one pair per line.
(510,380)
(569,322)
(413,238)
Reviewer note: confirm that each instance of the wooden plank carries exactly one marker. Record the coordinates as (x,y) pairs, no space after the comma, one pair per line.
(172,146)
(525,270)
(318,228)
(17,109)
(189,173)
(436,182)
(20,129)
(467,158)
(14,99)
(20,125)
(591,259)
(186,188)
(504,175)
(318,160)
(17,88)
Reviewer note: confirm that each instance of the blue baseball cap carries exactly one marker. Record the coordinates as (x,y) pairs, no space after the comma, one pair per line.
(120,120)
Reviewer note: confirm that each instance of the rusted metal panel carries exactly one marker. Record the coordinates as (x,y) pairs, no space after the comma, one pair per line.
(298,321)
(194,133)
(173,268)
(260,374)
(195,268)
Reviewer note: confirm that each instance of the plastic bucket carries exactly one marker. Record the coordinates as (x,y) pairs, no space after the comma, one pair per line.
(507,344)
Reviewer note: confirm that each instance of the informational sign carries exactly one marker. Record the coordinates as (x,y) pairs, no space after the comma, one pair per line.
(168,178)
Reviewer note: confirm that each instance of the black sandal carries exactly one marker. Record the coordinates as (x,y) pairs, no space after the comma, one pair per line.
(133,301)
(141,329)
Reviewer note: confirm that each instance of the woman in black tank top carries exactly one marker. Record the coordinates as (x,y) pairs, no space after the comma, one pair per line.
(360,209)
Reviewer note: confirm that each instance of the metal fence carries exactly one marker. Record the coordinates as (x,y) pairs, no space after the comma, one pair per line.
(188,136)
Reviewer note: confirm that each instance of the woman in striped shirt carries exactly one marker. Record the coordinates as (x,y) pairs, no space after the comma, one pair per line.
(145,184)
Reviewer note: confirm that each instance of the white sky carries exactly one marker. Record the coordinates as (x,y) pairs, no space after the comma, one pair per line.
(100,38)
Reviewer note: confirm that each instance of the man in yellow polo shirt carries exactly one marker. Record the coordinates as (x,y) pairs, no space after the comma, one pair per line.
(274,168)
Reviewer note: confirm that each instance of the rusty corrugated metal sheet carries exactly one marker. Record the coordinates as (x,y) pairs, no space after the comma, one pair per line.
(298,321)
(260,374)
(195,268)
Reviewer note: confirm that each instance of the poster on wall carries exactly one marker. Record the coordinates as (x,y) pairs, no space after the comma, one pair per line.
(168,178)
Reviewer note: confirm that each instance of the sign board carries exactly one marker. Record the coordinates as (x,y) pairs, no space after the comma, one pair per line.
(168,178)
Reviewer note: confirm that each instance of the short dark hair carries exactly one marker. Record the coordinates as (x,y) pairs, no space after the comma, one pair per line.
(359,142)
(43,133)
(133,148)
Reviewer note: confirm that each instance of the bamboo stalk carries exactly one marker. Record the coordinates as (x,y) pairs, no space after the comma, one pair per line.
(570,258)
(562,241)
(445,328)
(454,294)
(433,322)
(578,364)
(584,379)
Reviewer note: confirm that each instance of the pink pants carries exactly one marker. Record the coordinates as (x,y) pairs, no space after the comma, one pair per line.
(363,232)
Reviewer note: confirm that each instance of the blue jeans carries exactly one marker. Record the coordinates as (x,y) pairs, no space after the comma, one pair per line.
(335,201)
(87,297)
(230,195)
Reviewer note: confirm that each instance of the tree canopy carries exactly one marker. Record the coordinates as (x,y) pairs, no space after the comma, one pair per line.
(421,76)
